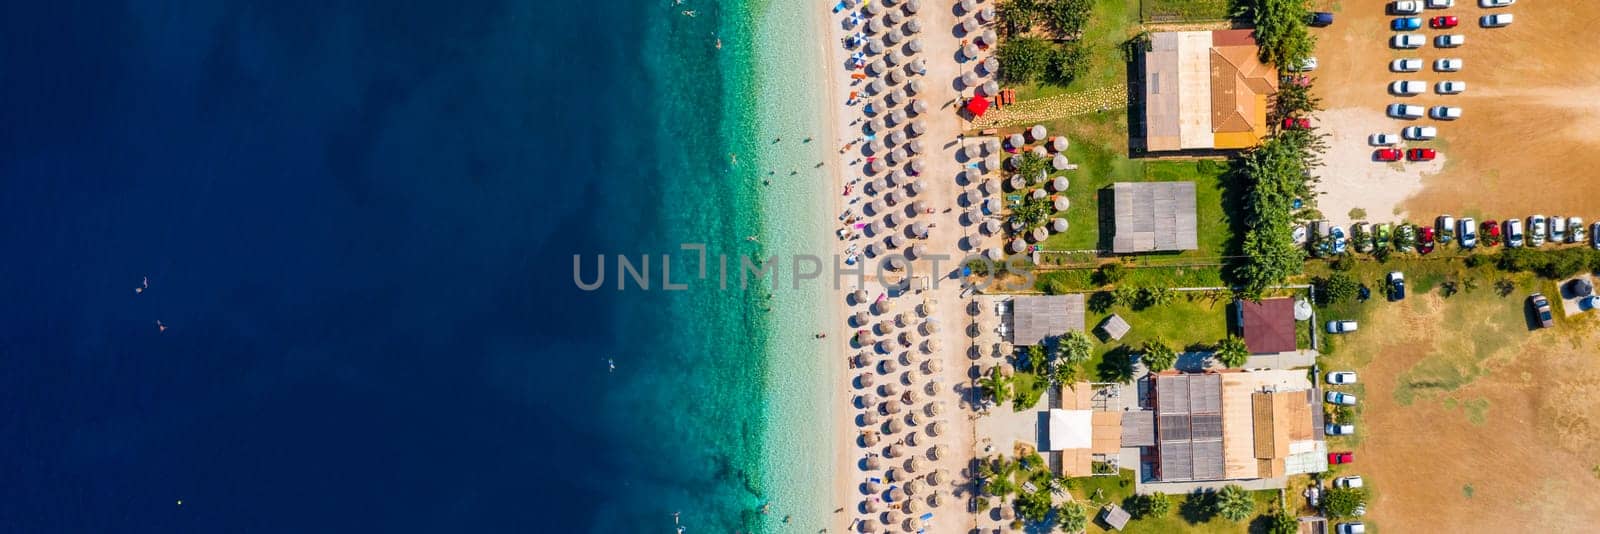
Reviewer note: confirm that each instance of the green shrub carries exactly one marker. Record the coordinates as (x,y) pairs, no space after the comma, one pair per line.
(1024,59)
(1110,274)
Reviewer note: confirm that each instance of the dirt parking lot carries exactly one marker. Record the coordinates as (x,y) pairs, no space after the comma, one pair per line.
(1529,138)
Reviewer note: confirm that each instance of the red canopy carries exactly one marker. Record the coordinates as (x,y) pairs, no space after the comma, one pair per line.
(977,105)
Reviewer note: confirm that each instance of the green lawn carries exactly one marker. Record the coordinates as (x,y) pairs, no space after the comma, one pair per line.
(1110,24)
(1183,10)
(1118,489)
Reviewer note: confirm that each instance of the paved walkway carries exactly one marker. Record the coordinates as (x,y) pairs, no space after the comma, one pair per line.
(1179,488)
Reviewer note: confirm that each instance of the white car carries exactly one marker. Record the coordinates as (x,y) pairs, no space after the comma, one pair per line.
(1536,229)
(1514,236)
(1341,377)
(1408,40)
(1445,113)
(1450,87)
(1558,229)
(1406,7)
(1310,64)
(1495,3)
(1341,327)
(1339,430)
(1468,232)
(1441,4)
(1448,64)
(1350,528)
(1407,87)
(1383,139)
(1405,111)
(1420,133)
(1594,235)
(1575,231)
(1405,65)
(1496,20)
(1346,399)
(1445,225)
(1449,41)
(1348,482)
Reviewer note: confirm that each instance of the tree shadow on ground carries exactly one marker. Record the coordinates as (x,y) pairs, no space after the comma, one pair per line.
(1117,365)
(1198,507)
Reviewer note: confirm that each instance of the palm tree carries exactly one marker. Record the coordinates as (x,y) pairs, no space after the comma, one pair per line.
(998,477)
(1076,347)
(1158,356)
(996,386)
(1071,517)
(1232,352)
(1234,503)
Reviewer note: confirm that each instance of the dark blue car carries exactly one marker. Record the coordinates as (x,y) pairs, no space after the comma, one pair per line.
(1406,23)
(1321,19)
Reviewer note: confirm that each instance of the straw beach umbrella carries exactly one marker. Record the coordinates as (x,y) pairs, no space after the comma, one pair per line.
(991,66)
(991,205)
(915,46)
(1017,182)
(894,57)
(912,6)
(870,438)
(876,69)
(895,426)
(914,147)
(968,5)
(990,88)
(936,428)
(1040,151)
(932,345)
(932,366)
(861,296)
(1061,203)
(874,46)
(930,327)
(875,25)
(969,79)
(1037,194)
(873,8)
(1036,133)
(986,14)
(1058,143)
(1058,225)
(896,495)
(893,37)
(897,138)
(1039,234)
(987,38)
(912,26)
(916,128)
(1015,141)
(918,107)
(972,152)
(938,451)
(937,499)
(869,417)
(993,254)
(970,51)
(917,66)
(968,26)
(887,366)
(991,226)
(991,163)
(897,177)
(1058,184)
(866,379)
(916,166)
(913,465)
(915,86)
(881,307)
(919,229)
(895,17)
(896,77)
(1018,245)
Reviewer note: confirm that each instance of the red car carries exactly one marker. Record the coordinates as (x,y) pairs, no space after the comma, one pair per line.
(1387,154)
(1425,240)
(1440,23)
(1421,154)
(1337,458)
(1296,123)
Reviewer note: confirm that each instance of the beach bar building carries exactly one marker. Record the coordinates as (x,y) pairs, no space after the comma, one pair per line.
(1205,90)
(1035,318)
(1229,426)
(1153,216)
(1080,433)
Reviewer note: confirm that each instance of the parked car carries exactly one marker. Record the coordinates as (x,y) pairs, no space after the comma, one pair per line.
(1296,123)
(1338,241)
(1514,235)
(1341,398)
(1541,308)
(1425,240)
(1575,231)
(1469,232)
(1387,154)
(1495,3)
(1448,64)
(1407,87)
(1405,236)
(1449,41)
(1405,111)
(1594,235)
(1341,378)
(1536,231)
(1352,482)
(1445,113)
(1419,133)
(1340,458)
(1450,87)
(1443,22)
(1321,19)
(1496,20)
(1339,430)
(1397,285)
(1421,154)
(1355,527)
(1406,65)
(1341,326)
(1440,4)
(1299,234)
(1383,139)
(1558,229)
(1381,236)
(1361,232)
(1405,7)
(1447,229)
(1408,40)
(1405,24)
(1491,232)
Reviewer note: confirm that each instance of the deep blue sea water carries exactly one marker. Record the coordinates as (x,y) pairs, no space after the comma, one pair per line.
(357,220)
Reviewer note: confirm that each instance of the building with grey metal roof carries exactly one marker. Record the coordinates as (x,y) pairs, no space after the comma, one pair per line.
(1035,318)
(1188,427)
(1153,216)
